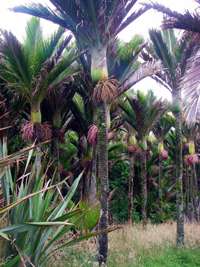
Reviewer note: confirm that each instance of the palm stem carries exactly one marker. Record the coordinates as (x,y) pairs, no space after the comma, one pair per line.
(177,102)
(130,188)
(104,185)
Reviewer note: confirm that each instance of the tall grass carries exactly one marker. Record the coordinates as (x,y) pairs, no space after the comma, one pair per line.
(132,246)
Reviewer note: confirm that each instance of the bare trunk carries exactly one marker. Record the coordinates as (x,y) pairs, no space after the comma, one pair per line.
(191,195)
(104,185)
(93,182)
(55,150)
(144,187)
(130,188)
(160,186)
(195,193)
(177,102)
(187,191)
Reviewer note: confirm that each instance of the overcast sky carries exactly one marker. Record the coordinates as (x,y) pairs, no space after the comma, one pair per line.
(16,23)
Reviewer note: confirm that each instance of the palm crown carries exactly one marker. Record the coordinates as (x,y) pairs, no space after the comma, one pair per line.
(93,23)
(190,22)
(32,67)
(142,112)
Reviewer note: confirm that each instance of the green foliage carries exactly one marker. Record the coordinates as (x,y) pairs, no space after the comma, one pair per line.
(126,51)
(30,68)
(118,181)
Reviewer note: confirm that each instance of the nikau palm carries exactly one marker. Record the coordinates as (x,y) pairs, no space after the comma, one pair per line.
(190,23)
(141,113)
(31,68)
(174,54)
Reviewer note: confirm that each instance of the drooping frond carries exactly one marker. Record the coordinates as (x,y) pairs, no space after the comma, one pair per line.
(191,90)
(145,70)
(187,21)
(92,22)
(40,11)
(15,71)
(173,53)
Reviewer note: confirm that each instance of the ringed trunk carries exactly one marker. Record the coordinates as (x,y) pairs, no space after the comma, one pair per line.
(104,184)
(177,102)
(93,182)
(130,188)
(99,72)
(55,142)
(160,186)
(144,187)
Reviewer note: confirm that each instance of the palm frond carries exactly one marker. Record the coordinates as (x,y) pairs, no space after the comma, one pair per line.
(14,68)
(145,70)
(92,22)
(40,11)
(163,50)
(191,90)
(163,126)
(33,35)
(142,112)
(187,21)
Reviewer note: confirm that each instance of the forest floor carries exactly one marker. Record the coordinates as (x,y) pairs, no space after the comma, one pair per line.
(132,246)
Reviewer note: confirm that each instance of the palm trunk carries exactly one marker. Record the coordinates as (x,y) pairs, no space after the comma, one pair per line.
(130,188)
(160,186)
(36,119)
(93,182)
(191,196)
(177,102)
(195,196)
(55,150)
(144,187)
(187,191)
(104,185)
(36,116)
(99,71)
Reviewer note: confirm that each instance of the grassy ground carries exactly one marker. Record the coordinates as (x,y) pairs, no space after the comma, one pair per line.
(135,247)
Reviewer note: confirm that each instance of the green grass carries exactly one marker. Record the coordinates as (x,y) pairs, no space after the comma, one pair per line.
(169,257)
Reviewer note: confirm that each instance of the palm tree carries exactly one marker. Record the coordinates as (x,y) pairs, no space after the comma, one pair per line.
(190,23)
(31,68)
(173,54)
(95,24)
(141,112)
